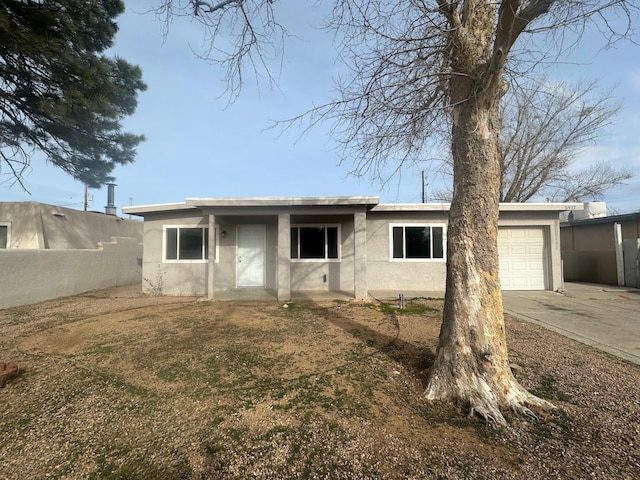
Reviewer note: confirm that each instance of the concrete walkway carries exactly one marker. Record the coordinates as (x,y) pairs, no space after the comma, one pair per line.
(605,317)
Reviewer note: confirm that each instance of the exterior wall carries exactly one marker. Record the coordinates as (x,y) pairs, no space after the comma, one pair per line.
(588,253)
(190,278)
(37,275)
(36,225)
(384,274)
(632,262)
(366,250)
(160,278)
(325,275)
(595,267)
(589,248)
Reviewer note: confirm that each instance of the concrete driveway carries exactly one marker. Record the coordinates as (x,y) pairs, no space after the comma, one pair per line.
(605,317)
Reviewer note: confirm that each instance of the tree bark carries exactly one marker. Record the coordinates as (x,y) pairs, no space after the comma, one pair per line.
(472,364)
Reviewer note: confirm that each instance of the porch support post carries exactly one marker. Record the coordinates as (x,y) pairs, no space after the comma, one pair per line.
(360,291)
(211,273)
(284,257)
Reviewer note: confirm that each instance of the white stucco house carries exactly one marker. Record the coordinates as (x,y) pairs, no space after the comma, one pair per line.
(352,245)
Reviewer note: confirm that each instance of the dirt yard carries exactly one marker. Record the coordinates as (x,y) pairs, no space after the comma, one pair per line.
(118,385)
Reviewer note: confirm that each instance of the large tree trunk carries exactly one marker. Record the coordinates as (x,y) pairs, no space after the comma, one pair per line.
(472,364)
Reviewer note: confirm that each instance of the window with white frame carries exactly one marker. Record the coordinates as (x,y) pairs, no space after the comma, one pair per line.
(5,235)
(187,243)
(417,242)
(315,242)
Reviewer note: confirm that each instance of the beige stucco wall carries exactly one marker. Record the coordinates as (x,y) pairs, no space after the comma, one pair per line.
(385,274)
(190,278)
(161,278)
(37,275)
(38,225)
(326,275)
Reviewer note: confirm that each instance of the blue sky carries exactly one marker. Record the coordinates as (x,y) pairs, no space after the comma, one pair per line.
(198,146)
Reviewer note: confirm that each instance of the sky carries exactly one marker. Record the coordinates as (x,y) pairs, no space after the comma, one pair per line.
(199,145)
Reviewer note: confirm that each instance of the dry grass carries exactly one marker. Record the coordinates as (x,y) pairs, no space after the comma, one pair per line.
(116,385)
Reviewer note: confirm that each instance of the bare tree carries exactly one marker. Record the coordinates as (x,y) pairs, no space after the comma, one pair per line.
(412,63)
(544,126)
(543,129)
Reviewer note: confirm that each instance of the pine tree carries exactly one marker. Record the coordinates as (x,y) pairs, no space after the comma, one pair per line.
(59,93)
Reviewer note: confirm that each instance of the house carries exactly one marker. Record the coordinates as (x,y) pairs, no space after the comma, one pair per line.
(602,250)
(346,244)
(34,225)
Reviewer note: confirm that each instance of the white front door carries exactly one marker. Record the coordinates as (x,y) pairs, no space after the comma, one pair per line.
(251,255)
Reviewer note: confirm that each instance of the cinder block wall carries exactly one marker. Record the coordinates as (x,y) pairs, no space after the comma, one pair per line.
(36,275)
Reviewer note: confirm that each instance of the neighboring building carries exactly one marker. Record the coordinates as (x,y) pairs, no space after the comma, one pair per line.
(602,250)
(50,252)
(590,210)
(33,225)
(348,244)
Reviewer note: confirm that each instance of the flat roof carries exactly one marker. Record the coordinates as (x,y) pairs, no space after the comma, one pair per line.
(281,201)
(504,207)
(370,202)
(160,207)
(196,203)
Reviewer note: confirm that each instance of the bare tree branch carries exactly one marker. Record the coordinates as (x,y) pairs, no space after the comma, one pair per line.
(545,126)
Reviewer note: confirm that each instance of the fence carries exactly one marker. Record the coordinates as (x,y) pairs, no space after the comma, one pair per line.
(30,276)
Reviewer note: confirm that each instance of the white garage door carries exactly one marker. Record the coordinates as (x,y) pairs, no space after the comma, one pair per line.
(522,258)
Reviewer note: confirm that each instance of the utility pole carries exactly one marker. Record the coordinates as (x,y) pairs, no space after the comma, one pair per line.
(423,199)
(86,196)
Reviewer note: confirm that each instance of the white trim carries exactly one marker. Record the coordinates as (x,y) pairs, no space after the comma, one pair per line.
(419,260)
(326,245)
(8,225)
(202,260)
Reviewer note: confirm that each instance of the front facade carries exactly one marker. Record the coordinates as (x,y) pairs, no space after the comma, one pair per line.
(352,245)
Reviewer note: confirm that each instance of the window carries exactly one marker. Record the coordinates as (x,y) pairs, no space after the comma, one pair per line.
(186,243)
(417,242)
(4,235)
(315,243)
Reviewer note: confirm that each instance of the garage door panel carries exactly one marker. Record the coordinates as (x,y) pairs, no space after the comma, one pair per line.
(522,253)
(535,250)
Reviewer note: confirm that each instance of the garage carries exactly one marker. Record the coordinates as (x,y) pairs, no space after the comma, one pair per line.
(522,256)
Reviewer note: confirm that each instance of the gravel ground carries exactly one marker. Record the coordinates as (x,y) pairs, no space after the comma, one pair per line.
(116,385)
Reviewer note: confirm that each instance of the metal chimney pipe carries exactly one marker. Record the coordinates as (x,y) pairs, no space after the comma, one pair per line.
(110,209)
